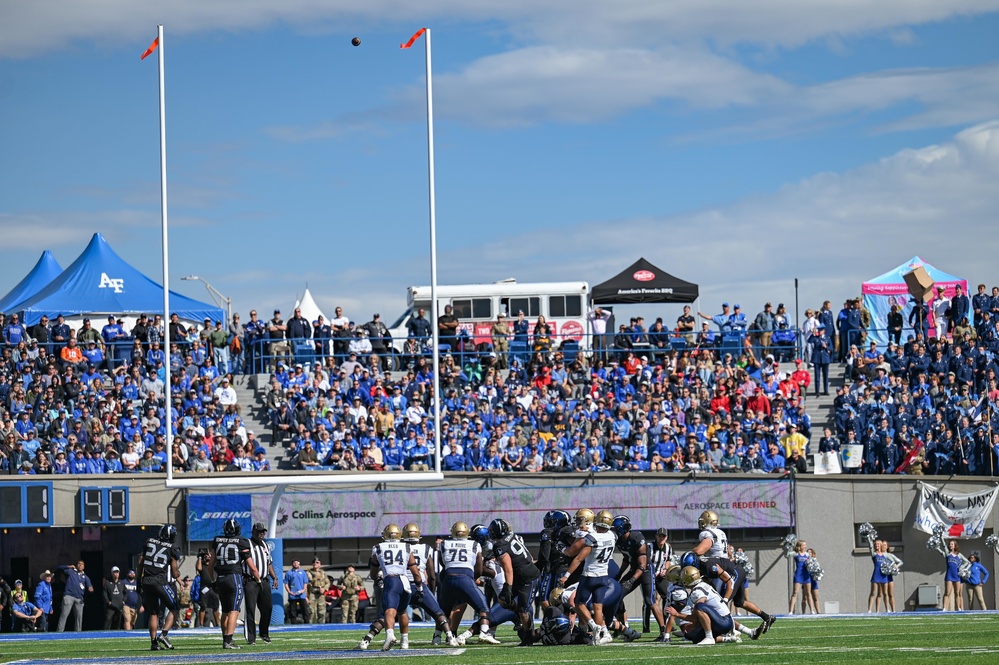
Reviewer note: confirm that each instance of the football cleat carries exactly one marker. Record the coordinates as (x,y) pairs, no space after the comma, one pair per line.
(155,646)
(663,638)
(404,644)
(759,631)
(231,645)
(732,637)
(707,641)
(387,644)
(603,636)
(630,634)
(436,641)
(771,620)
(267,640)
(165,641)
(487,638)
(364,643)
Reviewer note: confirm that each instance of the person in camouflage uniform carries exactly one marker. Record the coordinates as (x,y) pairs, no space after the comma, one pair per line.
(350,586)
(319,582)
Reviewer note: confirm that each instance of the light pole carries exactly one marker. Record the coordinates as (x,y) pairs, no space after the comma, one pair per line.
(217,297)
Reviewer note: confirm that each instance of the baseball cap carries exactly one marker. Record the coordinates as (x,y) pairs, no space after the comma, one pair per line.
(115,569)
(260,528)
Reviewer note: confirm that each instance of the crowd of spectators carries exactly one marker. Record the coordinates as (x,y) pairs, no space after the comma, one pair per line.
(726,398)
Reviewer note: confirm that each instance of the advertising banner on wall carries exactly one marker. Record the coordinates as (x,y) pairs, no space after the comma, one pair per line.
(964,515)
(353,514)
(206,513)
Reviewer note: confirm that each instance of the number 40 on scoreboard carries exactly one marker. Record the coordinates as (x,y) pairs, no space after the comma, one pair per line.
(103,505)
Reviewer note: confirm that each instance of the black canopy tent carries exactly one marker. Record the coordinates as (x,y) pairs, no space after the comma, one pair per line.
(643,282)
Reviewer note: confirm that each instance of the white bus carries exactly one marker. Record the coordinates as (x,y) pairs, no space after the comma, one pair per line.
(563,304)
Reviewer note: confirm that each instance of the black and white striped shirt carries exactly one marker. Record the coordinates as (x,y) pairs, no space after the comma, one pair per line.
(261,557)
(658,559)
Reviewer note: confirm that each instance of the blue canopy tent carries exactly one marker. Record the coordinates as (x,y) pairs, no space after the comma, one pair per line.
(890,289)
(45,270)
(101,282)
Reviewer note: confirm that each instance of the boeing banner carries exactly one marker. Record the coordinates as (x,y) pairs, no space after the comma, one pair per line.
(206,513)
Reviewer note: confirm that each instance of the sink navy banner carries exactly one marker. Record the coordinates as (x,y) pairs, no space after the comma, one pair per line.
(353,514)
(206,513)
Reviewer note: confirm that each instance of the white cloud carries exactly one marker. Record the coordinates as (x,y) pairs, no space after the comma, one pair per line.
(28,28)
(541,83)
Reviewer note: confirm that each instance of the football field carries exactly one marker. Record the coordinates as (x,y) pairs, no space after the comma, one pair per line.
(965,638)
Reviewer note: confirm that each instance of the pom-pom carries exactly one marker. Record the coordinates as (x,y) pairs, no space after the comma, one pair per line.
(992,541)
(790,540)
(868,532)
(939,529)
(889,568)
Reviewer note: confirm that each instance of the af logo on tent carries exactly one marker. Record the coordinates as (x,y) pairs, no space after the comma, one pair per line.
(107,283)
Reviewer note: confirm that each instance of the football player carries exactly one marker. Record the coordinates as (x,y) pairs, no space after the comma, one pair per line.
(674,596)
(551,562)
(519,572)
(710,620)
(712,541)
(592,552)
(493,579)
(727,578)
(224,563)
(637,570)
(564,600)
(461,559)
(391,559)
(424,556)
(157,572)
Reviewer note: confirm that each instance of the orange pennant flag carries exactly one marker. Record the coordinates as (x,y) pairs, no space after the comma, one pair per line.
(412,40)
(152,47)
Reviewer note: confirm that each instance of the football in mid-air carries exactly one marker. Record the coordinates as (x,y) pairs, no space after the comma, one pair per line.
(356,41)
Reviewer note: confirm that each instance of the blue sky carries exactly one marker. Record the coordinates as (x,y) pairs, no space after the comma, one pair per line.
(737,145)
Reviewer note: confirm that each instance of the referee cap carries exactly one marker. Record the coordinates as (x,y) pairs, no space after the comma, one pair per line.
(259,528)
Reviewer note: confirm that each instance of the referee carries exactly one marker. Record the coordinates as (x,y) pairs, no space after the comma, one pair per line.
(258,596)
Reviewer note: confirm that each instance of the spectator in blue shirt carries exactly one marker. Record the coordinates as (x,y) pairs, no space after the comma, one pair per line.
(43,599)
(14,332)
(77,584)
(295,582)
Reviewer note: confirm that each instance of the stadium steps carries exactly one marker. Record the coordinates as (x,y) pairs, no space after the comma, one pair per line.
(821,409)
(251,391)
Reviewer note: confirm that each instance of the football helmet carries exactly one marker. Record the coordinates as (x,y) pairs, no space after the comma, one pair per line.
(690,576)
(689,559)
(231,528)
(707,518)
(584,517)
(556,519)
(621,525)
(392,532)
(479,533)
(556,631)
(673,573)
(555,597)
(411,533)
(604,519)
(499,529)
(168,533)
(459,530)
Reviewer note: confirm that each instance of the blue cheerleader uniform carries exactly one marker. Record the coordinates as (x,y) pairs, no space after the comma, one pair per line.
(878,577)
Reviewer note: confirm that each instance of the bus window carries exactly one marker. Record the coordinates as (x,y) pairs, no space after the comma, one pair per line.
(482,308)
(472,308)
(531,307)
(562,306)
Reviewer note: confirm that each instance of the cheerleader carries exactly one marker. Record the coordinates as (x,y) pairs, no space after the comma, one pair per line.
(801,577)
(977,578)
(953,586)
(879,581)
(890,586)
(814,584)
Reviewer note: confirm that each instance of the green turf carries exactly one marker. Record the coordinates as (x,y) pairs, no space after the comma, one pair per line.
(950,638)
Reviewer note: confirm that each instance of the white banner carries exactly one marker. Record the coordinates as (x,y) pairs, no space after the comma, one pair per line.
(964,515)
(824,464)
(853,456)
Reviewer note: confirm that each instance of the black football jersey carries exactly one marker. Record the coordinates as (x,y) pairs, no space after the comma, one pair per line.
(230,552)
(156,558)
(520,558)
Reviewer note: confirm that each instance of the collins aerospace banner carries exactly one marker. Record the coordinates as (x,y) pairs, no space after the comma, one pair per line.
(964,515)
(352,514)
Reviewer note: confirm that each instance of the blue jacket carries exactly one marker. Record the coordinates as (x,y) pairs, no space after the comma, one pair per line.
(978,575)
(43,597)
(76,583)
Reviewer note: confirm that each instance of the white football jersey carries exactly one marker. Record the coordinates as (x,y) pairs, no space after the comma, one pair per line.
(393,557)
(710,596)
(459,554)
(719,542)
(500,579)
(601,552)
(423,555)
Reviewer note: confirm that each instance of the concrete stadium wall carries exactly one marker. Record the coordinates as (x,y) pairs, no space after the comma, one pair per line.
(828,508)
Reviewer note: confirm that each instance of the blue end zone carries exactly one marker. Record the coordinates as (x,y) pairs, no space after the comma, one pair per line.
(242,657)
